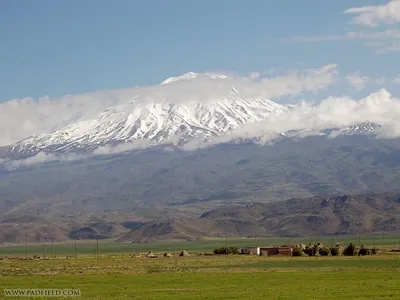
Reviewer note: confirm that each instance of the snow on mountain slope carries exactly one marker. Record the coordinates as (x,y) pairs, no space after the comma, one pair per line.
(363,128)
(198,110)
(158,122)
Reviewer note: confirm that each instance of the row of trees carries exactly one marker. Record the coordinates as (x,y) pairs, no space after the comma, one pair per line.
(318,250)
(352,250)
(226,250)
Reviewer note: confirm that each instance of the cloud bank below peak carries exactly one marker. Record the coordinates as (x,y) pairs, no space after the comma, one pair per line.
(308,118)
(332,113)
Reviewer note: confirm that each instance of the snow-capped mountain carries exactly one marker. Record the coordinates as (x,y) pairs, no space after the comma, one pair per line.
(158,122)
(191,109)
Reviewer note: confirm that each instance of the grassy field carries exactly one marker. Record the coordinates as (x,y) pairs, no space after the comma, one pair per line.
(388,241)
(211,277)
(116,274)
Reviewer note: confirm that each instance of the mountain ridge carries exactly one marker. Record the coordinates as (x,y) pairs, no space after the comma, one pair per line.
(297,217)
(156,123)
(366,214)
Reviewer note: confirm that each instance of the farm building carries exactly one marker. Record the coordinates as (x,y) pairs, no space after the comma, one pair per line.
(267,251)
(250,250)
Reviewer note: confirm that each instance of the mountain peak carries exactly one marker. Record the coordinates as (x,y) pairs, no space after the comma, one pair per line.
(193,75)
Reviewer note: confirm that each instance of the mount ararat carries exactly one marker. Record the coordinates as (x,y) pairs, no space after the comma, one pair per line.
(196,143)
(191,111)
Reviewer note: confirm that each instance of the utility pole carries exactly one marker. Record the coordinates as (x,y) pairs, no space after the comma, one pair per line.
(175,256)
(26,248)
(76,253)
(226,246)
(52,248)
(97,249)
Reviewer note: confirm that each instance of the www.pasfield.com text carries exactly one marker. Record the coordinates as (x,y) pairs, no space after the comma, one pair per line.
(41,293)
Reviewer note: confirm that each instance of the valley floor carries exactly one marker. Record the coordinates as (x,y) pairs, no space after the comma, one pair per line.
(207,244)
(210,277)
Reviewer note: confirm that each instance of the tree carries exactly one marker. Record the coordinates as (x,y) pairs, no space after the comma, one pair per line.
(364,251)
(324,251)
(226,250)
(312,250)
(350,250)
(233,250)
(335,251)
(297,252)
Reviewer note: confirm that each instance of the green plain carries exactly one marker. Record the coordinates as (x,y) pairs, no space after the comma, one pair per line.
(117,274)
(109,247)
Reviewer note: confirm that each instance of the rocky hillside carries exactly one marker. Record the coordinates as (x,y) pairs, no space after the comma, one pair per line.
(318,216)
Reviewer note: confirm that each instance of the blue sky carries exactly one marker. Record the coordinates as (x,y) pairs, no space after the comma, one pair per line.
(56,48)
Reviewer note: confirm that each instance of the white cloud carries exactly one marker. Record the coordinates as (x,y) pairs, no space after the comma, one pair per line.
(254,75)
(374,15)
(41,158)
(371,16)
(21,118)
(134,145)
(379,107)
(357,81)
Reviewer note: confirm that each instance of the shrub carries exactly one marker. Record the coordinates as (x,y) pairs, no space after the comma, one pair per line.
(312,250)
(223,250)
(335,251)
(364,251)
(324,251)
(233,250)
(374,251)
(350,250)
(297,252)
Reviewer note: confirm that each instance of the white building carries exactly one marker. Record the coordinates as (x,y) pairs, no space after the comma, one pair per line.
(253,250)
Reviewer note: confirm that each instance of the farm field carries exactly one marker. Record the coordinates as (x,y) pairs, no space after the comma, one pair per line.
(118,274)
(210,277)
(109,247)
